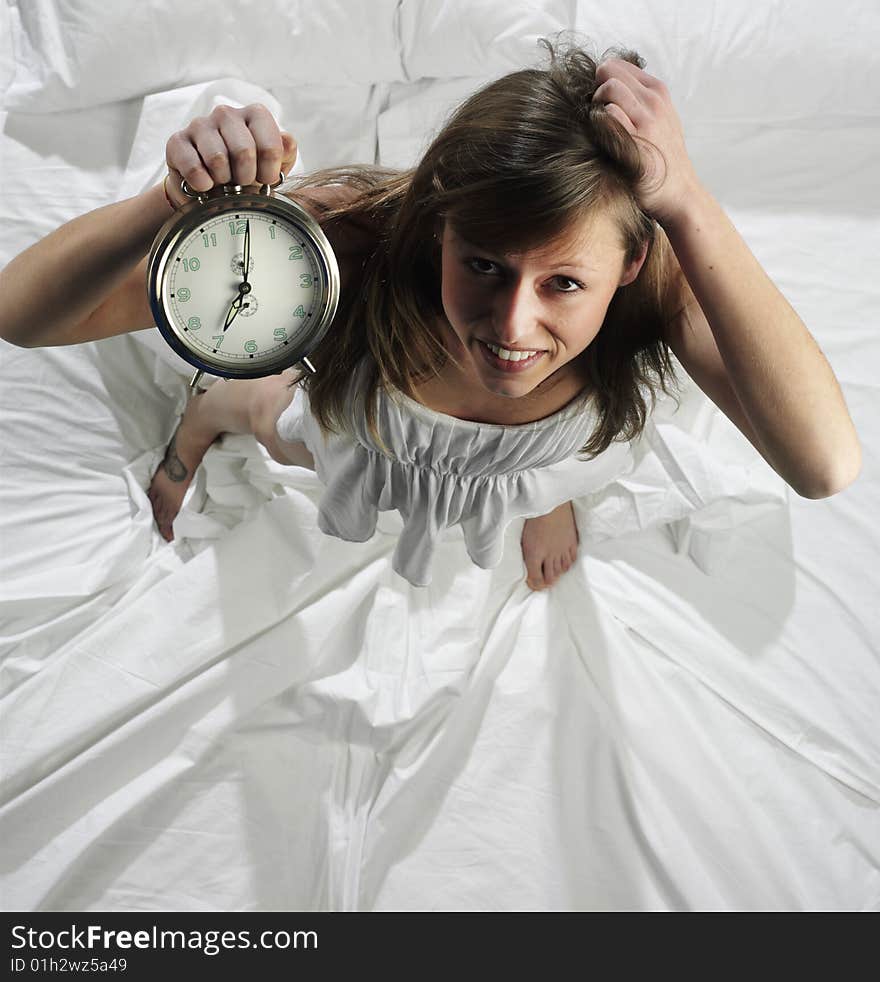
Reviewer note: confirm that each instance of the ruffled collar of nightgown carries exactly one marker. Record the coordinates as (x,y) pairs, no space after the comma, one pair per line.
(443,472)
(425,437)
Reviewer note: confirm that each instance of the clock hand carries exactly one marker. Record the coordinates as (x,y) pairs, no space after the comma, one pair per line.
(234,308)
(243,290)
(247,250)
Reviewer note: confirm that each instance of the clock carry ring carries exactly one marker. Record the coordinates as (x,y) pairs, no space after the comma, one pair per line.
(218,189)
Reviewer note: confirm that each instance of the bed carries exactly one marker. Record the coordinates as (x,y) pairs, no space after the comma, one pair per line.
(260,717)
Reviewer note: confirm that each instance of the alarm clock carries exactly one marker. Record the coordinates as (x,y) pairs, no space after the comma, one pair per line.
(242,284)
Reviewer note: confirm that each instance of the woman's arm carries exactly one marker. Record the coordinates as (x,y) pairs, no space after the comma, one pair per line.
(54,287)
(783,382)
(87,279)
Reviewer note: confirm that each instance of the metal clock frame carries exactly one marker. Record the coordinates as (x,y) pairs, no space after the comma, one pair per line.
(228,198)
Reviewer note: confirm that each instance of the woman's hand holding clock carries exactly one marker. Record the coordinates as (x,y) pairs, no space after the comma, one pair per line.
(230,146)
(229,163)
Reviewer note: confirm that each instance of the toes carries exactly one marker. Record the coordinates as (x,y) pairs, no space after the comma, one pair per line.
(535,578)
(544,574)
(543,570)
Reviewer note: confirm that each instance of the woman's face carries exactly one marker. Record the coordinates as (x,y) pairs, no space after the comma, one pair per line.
(549,302)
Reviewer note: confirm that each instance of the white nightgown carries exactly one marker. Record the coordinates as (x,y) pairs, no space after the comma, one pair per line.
(447,472)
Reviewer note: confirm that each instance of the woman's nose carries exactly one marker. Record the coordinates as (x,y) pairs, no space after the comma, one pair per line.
(517,315)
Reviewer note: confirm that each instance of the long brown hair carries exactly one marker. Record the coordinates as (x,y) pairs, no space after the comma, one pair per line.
(515,165)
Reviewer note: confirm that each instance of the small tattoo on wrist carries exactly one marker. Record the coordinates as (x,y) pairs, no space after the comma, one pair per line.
(173,466)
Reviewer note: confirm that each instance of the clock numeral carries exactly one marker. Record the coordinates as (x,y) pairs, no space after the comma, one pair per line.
(296,252)
(212,243)
(280,333)
(271,231)
(250,346)
(192,265)
(300,311)
(183,294)
(238,228)
(194,323)
(306,280)
(219,338)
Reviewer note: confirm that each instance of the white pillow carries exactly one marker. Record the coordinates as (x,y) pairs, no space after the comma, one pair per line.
(333,125)
(72,54)
(737,59)
(480,38)
(7,65)
(732,59)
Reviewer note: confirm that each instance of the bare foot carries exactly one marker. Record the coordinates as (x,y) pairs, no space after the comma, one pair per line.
(174,475)
(549,546)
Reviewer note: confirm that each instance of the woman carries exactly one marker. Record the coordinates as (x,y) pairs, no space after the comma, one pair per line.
(556,219)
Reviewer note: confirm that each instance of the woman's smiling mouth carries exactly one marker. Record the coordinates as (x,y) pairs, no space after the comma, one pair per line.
(507,360)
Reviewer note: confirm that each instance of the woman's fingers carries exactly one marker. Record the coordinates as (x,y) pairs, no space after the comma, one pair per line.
(231,146)
(173,189)
(630,94)
(626,70)
(620,93)
(183,157)
(267,146)
(617,113)
(289,155)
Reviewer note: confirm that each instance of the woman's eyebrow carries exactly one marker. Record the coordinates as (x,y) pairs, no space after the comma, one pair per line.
(565,264)
(569,265)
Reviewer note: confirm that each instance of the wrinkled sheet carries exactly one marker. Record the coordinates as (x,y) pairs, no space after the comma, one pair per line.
(258,716)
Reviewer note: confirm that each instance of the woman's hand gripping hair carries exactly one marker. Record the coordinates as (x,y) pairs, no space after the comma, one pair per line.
(643,107)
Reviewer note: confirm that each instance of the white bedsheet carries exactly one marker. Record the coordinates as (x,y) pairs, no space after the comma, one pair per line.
(261,717)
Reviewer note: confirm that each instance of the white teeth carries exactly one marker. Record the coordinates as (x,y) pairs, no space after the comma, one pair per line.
(508,355)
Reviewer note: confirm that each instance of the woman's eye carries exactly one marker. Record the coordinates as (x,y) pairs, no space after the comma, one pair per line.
(470,263)
(567,285)
(574,283)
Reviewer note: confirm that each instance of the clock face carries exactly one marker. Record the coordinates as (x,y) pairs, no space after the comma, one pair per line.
(234,320)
